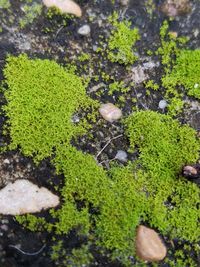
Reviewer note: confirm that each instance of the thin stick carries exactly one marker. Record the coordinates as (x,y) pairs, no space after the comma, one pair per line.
(27,253)
(107,145)
(58,31)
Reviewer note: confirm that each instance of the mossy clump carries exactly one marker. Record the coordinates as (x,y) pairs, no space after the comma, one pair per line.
(164,147)
(5,4)
(171,47)
(105,207)
(164,144)
(121,42)
(31,12)
(185,73)
(41,99)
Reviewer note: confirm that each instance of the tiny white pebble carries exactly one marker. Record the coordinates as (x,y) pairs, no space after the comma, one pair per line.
(162,104)
(121,155)
(196,85)
(110,112)
(6,161)
(84,30)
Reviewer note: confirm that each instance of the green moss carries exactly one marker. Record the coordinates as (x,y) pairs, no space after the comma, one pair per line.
(152,85)
(170,50)
(42,98)
(160,140)
(119,87)
(33,223)
(185,73)
(31,11)
(165,146)
(170,46)
(121,42)
(4,4)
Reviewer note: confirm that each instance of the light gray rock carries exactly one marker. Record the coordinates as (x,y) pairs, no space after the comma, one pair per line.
(84,30)
(162,104)
(23,197)
(121,156)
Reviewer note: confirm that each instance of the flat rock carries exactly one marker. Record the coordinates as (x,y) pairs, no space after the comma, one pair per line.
(65,6)
(173,8)
(23,197)
(149,246)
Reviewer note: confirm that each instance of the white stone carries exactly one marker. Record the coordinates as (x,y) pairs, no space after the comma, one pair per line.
(65,6)
(138,74)
(110,112)
(196,85)
(162,104)
(121,155)
(6,161)
(149,246)
(23,197)
(84,30)
(124,2)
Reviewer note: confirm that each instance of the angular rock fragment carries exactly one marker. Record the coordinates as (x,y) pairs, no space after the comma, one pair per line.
(65,6)
(23,197)
(149,246)
(173,8)
(84,30)
(110,112)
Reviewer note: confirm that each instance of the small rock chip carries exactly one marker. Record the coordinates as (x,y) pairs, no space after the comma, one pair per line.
(121,156)
(23,197)
(149,246)
(173,8)
(84,30)
(65,6)
(190,171)
(162,104)
(124,2)
(110,112)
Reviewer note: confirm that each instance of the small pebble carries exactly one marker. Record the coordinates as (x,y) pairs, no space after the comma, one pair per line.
(124,2)
(6,161)
(121,155)
(110,112)
(162,104)
(149,246)
(84,30)
(196,85)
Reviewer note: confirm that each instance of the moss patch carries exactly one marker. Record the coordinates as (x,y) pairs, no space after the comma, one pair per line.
(121,42)
(186,73)
(42,97)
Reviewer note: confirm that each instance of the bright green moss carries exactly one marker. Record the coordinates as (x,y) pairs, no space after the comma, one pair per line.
(186,73)
(4,4)
(121,42)
(160,140)
(164,147)
(33,223)
(42,97)
(171,47)
(31,12)
(106,206)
